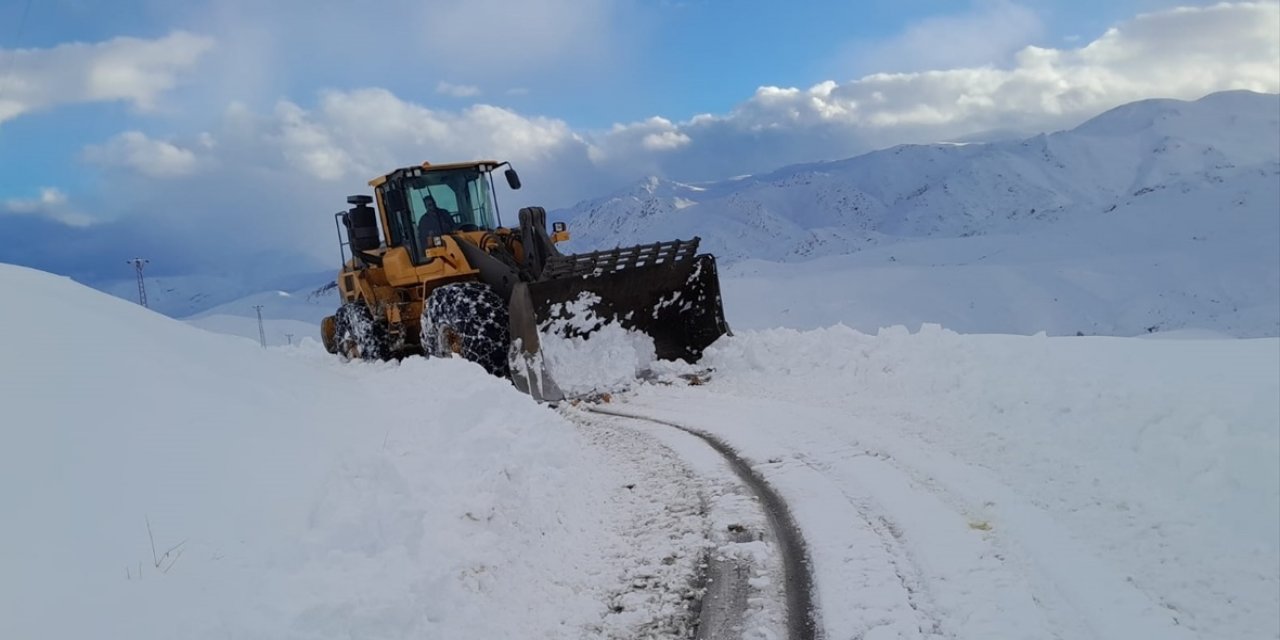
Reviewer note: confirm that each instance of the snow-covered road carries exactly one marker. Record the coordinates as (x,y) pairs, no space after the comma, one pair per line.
(945,516)
(908,549)
(757,581)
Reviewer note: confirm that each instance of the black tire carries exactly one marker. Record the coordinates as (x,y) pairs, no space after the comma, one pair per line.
(357,336)
(468,319)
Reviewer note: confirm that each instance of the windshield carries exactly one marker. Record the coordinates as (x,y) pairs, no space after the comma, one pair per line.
(443,202)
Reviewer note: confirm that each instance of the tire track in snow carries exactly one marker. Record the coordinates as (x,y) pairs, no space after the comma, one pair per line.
(802,621)
(659,514)
(989,564)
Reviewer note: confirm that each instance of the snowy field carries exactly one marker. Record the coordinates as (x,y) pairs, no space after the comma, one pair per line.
(1014,487)
(164,481)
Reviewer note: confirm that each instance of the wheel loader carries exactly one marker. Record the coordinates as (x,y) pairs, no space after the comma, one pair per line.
(434,271)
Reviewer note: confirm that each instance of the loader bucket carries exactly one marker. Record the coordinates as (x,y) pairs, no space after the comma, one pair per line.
(663,291)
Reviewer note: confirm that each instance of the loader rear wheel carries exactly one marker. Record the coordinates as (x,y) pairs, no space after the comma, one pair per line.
(357,336)
(470,320)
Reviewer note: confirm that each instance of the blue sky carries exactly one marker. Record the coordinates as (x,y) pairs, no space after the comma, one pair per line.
(196,125)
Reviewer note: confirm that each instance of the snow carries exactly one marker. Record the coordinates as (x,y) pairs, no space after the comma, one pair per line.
(1160,215)
(195,294)
(1169,260)
(162,480)
(287,317)
(586,354)
(946,485)
(911,192)
(729,507)
(277,332)
(1019,486)
(296,495)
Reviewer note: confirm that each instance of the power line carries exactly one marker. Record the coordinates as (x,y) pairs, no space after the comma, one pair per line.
(262,335)
(138,264)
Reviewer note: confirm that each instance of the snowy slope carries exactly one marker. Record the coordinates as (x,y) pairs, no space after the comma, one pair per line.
(287,317)
(916,191)
(159,481)
(1154,216)
(1012,487)
(186,295)
(1176,258)
(171,482)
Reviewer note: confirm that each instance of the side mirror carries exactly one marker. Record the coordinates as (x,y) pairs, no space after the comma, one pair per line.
(513,179)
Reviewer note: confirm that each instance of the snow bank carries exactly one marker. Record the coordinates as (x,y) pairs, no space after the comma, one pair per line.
(608,358)
(1160,457)
(277,332)
(160,481)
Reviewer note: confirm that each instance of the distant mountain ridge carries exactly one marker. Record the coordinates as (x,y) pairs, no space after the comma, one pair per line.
(186,295)
(1158,216)
(909,192)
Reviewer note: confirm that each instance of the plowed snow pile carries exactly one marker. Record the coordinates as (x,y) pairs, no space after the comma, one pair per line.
(159,481)
(610,359)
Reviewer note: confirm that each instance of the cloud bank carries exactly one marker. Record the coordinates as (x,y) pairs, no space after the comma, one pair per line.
(122,69)
(351,135)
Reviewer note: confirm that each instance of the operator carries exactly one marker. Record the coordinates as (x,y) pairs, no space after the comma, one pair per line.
(435,222)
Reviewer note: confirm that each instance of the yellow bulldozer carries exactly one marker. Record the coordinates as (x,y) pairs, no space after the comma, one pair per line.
(433,271)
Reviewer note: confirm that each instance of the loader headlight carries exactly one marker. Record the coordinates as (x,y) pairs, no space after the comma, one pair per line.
(557,227)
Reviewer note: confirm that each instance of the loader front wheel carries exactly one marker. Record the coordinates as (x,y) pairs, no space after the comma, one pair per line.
(357,335)
(470,320)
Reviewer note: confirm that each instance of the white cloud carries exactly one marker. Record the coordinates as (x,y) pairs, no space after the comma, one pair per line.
(124,69)
(309,146)
(148,156)
(299,161)
(457,90)
(1181,53)
(350,136)
(365,132)
(52,203)
(665,141)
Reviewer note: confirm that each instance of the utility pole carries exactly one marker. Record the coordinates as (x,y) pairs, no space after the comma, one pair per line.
(138,264)
(262,335)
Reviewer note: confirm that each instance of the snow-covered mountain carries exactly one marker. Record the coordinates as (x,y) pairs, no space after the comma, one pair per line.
(1177,258)
(1156,216)
(288,317)
(949,190)
(186,295)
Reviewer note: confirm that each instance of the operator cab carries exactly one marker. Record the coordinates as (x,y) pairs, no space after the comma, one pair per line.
(428,201)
